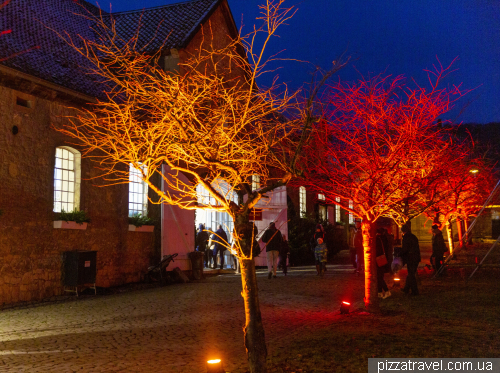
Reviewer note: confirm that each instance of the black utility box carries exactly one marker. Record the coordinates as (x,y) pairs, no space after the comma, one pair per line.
(79,268)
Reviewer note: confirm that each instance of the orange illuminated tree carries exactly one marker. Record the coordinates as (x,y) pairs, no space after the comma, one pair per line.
(380,151)
(209,123)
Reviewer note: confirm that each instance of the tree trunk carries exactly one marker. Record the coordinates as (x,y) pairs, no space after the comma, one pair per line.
(450,236)
(254,337)
(255,341)
(371,293)
(466,228)
(459,229)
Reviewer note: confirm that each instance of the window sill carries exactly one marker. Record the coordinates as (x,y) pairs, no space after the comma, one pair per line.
(142,228)
(61,224)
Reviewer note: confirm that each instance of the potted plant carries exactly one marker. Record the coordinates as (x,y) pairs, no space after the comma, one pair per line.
(76,219)
(140,223)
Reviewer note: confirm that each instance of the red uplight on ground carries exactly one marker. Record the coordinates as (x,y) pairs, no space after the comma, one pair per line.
(344,307)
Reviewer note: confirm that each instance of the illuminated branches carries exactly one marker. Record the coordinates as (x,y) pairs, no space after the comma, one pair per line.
(379,147)
(207,125)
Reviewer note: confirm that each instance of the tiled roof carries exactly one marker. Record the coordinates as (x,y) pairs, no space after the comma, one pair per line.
(58,63)
(177,23)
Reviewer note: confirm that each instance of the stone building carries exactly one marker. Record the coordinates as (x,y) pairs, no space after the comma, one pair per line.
(42,171)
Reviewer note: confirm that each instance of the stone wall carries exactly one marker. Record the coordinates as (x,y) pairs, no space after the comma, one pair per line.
(30,247)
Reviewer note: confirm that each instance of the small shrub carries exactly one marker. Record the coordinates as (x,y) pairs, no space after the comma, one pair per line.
(78,216)
(139,220)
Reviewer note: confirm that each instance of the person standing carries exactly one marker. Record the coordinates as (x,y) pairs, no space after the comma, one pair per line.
(272,238)
(202,242)
(320,253)
(319,233)
(284,250)
(219,239)
(358,246)
(381,245)
(438,248)
(410,252)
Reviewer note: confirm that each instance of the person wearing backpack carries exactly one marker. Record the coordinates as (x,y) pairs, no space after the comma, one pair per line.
(272,238)
(410,252)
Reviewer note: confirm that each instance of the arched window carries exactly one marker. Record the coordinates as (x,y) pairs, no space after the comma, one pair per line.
(302,201)
(67,178)
(137,193)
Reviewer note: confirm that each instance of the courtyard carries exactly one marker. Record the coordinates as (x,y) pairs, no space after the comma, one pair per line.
(177,328)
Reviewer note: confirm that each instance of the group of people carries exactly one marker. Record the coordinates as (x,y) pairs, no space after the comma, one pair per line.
(277,248)
(409,255)
(277,251)
(204,244)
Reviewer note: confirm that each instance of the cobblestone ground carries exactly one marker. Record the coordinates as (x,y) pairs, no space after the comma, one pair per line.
(171,329)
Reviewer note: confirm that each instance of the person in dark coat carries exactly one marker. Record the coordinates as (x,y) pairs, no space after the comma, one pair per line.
(202,242)
(381,244)
(219,239)
(272,238)
(389,249)
(284,250)
(438,248)
(410,252)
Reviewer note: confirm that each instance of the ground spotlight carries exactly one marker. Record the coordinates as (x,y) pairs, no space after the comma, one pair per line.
(344,308)
(397,281)
(215,366)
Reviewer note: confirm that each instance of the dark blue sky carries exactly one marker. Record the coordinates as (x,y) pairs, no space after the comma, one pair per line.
(399,37)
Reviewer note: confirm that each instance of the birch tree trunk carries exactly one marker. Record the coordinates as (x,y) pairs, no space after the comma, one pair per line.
(371,293)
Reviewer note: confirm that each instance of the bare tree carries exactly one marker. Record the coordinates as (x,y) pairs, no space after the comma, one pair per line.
(210,123)
(379,153)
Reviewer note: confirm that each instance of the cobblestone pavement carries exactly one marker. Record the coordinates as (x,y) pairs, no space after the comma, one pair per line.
(170,329)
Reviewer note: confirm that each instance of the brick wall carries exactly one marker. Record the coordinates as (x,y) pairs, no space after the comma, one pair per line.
(30,248)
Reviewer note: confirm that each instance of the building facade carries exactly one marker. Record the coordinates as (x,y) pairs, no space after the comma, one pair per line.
(43,172)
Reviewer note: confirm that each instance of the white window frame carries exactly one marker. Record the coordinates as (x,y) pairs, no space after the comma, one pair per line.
(137,192)
(337,211)
(302,202)
(67,179)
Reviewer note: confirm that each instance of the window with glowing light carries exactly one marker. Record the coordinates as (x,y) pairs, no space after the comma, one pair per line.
(351,216)
(255,182)
(321,197)
(137,193)
(337,211)
(67,178)
(211,219)
(302,201)
(322,212)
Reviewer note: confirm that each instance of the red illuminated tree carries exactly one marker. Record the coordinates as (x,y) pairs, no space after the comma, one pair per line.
(462,192)
(380,148)
(209,123)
